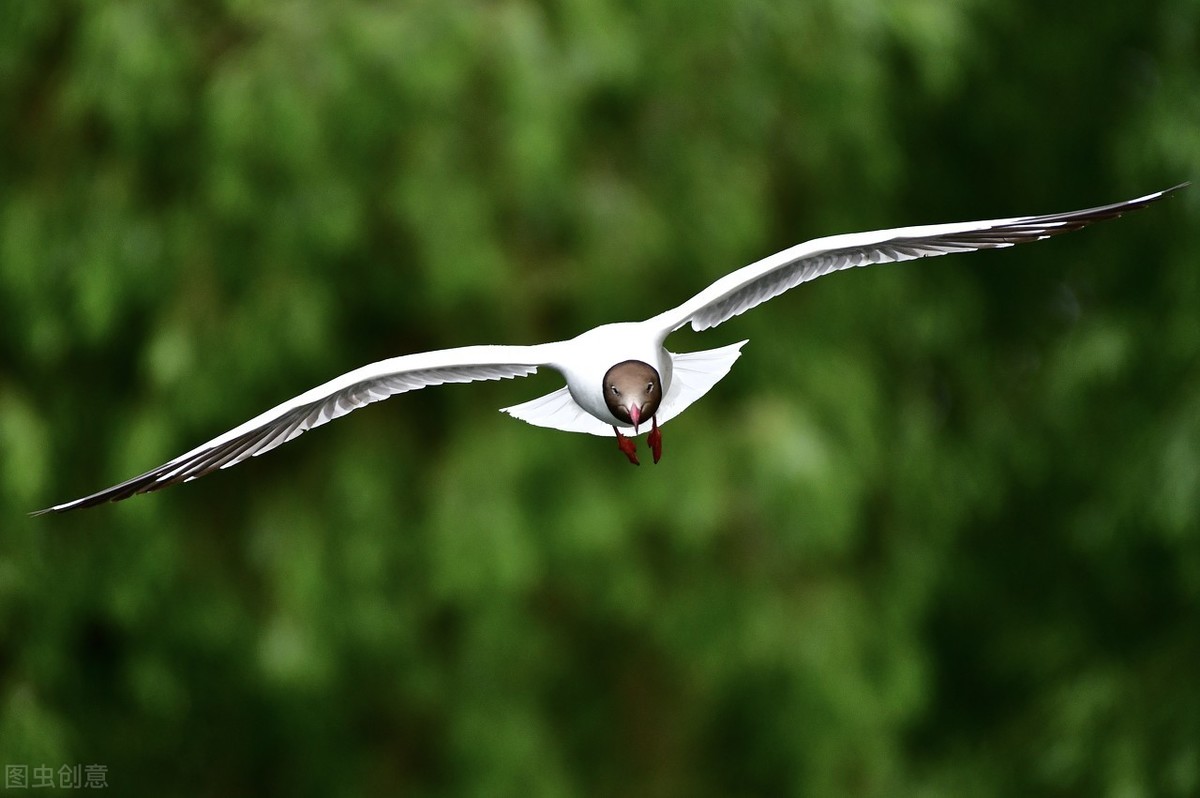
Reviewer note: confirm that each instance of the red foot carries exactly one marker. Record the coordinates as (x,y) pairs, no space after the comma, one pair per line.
(627,446)
(655,440)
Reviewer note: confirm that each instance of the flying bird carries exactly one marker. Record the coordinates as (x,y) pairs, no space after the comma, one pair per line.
(620,377)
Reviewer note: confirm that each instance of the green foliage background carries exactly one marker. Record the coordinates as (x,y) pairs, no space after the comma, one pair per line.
(937,534)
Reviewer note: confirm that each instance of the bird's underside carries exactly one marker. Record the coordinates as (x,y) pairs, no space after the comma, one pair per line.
(584,359)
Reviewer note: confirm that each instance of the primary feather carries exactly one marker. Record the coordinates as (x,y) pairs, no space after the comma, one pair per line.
(737,292)
(320,405)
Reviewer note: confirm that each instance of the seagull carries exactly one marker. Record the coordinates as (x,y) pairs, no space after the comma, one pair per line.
(620,377)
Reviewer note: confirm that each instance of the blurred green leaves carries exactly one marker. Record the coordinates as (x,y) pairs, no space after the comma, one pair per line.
(936,534)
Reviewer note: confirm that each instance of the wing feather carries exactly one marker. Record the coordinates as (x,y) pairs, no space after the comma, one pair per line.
(752,285)
(324,403)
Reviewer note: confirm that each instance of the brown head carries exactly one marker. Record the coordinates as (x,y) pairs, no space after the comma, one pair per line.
(633,391)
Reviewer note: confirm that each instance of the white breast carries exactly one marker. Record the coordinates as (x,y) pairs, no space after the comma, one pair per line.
(692,375)
(586,358)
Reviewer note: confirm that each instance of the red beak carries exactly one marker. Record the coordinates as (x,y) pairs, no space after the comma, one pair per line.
(635,415)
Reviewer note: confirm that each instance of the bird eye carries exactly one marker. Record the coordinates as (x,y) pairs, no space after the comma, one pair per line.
(649,387)
(615,391)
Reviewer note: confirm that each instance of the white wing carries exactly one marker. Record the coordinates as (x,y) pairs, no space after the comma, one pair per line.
(324,403)
(558,410)
(693,374)
(752,285)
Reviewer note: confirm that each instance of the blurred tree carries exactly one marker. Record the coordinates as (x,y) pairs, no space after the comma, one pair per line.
(936,534)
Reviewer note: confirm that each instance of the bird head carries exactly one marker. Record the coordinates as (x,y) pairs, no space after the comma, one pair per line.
(633,391)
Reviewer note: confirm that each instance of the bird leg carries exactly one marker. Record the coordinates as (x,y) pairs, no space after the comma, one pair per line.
(627,446)
(655,439)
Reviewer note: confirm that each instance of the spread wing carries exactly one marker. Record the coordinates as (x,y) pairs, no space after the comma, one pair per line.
(324,403)
(752,285)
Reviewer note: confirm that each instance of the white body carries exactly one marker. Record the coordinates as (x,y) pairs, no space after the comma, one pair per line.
(585,359)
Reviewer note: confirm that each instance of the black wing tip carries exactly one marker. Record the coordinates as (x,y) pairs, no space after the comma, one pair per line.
(1157,195)
(54,509)
(1137,203)
(143,483)
(66,507)
(182,469)
(1148,199)
(95,500)
(1074,220)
